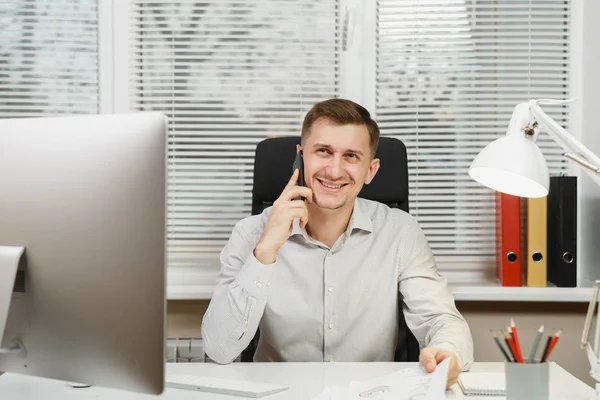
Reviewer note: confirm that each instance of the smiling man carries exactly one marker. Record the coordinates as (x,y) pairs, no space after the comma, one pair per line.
(321,277)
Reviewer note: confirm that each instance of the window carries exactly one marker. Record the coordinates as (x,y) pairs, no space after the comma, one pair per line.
(442,75)
(228,74)
(448,76)
(48,58)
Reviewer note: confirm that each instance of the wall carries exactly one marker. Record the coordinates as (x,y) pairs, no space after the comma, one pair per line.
(589,192)
(185,318)
(482,316)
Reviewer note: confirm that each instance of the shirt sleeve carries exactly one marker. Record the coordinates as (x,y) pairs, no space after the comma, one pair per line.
(239,299)
(429,307)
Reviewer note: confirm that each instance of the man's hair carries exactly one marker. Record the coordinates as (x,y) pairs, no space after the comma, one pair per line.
(342,112)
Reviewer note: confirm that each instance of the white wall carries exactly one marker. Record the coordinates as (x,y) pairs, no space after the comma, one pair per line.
(590,135)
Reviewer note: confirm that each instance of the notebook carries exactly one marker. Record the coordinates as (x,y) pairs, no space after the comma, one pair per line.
(482,383)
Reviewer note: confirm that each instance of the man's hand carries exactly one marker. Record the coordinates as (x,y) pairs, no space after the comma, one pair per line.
(279,226)
(430,357)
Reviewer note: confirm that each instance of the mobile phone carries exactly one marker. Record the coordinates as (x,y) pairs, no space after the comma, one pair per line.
(299,164)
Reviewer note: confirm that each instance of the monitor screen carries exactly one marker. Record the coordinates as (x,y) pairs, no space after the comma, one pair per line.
(85,197)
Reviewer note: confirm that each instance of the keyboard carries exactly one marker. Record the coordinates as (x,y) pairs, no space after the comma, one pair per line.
(223,386)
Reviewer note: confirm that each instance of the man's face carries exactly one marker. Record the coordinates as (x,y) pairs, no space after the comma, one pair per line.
(337,163)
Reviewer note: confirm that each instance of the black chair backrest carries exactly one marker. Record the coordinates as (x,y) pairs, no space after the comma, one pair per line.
(272,170)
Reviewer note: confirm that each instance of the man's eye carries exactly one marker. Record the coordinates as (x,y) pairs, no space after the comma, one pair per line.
(351,155)
(323,150)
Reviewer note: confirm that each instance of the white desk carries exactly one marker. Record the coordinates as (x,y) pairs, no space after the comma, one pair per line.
(305,380)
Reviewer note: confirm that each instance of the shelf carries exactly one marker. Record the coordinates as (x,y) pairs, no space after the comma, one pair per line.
(200,286)
(499,293)
(461,293)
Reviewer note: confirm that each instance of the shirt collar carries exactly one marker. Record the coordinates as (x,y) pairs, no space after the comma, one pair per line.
(360,219)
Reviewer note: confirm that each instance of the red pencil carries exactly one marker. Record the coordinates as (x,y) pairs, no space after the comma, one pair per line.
(515,337)
(511,343)
(552,344)
(508,340)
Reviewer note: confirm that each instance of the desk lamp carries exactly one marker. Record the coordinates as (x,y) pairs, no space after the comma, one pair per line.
(514,164)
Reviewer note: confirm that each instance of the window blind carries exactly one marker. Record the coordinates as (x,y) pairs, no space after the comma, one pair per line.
(448,76)
(228,74)
(48,58)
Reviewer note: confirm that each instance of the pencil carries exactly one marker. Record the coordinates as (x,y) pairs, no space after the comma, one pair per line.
(507,340)
(511,345)
(543,359)
(515,335)
(552,345)
(504,353)
(535,345)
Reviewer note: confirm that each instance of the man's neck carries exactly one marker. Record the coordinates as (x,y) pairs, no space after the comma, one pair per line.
(327,226)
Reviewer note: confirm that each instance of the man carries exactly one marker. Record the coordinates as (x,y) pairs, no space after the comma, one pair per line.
(322,276)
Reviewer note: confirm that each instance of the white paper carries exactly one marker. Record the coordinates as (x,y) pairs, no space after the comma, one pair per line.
(404,384)
(333,394)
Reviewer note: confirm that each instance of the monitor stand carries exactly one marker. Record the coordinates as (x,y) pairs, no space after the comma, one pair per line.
(9,263)
(74,385)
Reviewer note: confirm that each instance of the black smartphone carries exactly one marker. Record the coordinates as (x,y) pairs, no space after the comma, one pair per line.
(299,164)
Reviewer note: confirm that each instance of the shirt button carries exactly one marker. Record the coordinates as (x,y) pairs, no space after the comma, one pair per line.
(258,284)
(330,358)
(268,283)
(330,326)
(330,289)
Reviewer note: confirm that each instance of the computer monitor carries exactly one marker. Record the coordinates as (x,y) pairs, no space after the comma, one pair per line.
(85,196)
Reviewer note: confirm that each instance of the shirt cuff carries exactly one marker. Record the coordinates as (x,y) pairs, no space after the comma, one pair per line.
(254,277)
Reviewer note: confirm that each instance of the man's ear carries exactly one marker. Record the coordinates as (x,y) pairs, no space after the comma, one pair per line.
(373,168)
(298,148)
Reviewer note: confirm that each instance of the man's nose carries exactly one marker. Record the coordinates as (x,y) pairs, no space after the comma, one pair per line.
(335,169)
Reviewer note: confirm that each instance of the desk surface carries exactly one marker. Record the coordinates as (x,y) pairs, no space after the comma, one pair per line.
(306,380)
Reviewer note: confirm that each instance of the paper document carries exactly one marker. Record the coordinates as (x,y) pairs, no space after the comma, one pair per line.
(405,384)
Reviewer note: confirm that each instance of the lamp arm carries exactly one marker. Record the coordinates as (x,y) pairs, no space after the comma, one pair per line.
(585,337)
(568,142)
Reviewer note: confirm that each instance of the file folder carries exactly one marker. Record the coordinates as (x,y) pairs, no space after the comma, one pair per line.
(562,231)
(508,239)
(536,241)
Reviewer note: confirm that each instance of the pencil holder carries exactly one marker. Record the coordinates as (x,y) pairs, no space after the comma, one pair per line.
(527,381)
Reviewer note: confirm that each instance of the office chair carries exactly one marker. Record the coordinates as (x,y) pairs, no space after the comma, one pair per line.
(272,170)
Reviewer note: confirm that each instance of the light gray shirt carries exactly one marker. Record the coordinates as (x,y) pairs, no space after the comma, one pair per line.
(333,304)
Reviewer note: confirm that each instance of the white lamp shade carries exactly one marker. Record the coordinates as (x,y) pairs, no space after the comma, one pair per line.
(512,164)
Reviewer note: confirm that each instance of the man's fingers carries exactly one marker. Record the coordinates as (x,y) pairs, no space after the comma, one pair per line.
(451,383)
(431,357)
(425,354)
(292,180)
(289,204)
(297,191)
(298,212)
(427,359)
(294,203)
(440,356)
(303,221)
